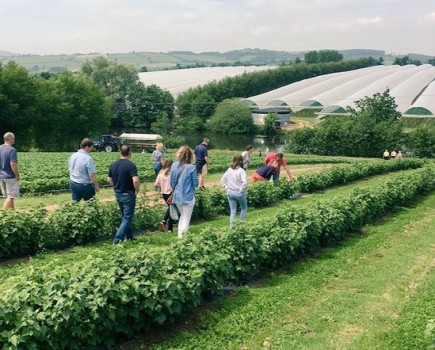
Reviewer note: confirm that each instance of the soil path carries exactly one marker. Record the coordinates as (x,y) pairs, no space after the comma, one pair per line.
(152,194)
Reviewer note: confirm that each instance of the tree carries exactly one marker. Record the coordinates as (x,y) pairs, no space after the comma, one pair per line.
(322,56)
(271,123)
(133,104)
(18,103)
(232,117)
(422,142)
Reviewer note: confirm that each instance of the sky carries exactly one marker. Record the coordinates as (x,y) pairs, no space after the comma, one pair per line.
(115,26)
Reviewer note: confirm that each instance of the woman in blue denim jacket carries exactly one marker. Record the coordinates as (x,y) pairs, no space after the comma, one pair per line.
(184,180)
(235,182)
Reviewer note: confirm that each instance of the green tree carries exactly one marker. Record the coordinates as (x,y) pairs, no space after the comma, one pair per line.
(422,142)
(133,104)
(18,103)
(271,124)
(232,117)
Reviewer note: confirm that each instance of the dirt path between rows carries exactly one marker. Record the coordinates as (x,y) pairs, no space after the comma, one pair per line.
(152,194)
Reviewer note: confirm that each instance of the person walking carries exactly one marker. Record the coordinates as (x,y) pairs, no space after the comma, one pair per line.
(386,155)
(202,161)
(123,177)
(279,158)
(235,182)
(246,154)
(157,158)
(163,184)
(83,175)
(9,175)
(183,180)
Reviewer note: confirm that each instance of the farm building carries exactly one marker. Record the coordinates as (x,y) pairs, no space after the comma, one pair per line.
(258,115)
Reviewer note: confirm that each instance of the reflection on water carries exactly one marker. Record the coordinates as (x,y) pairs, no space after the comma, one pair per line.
(238,142)
(230,142)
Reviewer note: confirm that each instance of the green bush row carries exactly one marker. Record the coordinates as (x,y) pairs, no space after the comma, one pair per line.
(77,224)
(92,302)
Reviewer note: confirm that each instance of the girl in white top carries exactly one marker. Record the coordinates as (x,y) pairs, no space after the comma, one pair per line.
(235,182)
(247,156)
(162,184)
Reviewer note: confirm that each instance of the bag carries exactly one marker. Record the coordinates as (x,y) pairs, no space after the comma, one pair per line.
(169,200)
(174,212)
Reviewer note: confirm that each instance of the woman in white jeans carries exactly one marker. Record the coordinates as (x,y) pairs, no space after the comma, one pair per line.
(235,182)
(183,181)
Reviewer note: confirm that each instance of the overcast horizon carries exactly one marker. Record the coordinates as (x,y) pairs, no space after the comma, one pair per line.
(115,26)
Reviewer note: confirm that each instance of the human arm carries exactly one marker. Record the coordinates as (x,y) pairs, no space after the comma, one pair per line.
(14,167)
(110,180)
(207,161)
(136,184)
(289,174)
(94,180)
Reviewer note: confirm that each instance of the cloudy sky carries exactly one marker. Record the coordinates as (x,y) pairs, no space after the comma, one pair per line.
(110,26)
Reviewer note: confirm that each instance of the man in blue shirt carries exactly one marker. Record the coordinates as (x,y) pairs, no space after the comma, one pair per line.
(9,176)
(125,181)
(202,161)
(83,175)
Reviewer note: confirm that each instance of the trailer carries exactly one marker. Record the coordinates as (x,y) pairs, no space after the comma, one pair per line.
(137,142)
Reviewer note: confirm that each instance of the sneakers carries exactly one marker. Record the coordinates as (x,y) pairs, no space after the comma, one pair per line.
(162,226)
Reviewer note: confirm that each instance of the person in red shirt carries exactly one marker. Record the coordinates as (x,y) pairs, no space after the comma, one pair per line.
(278,157)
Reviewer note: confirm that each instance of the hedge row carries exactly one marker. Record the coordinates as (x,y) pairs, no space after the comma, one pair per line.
(91,303)
(76,224)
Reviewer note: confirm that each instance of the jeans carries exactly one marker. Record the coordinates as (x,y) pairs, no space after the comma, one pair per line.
(235,197)
(127,203)
(157,167)
(185,215)
(81,191)
(275,177)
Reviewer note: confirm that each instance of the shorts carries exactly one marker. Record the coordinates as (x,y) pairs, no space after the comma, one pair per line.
(256,177)
(201,169)
(10,188)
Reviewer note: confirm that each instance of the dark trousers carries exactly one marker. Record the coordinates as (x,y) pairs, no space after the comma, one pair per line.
(167,218)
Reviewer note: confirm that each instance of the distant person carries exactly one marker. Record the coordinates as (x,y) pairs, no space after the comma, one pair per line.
(399,155)
(386,155)
(183,180)
(123,177)
(278,157)
(157,158)
(267,151)
(235,182)
(264,173)
(83,174)
(246,154)
(9,175)
(393,154)
(202,161)
(163,185)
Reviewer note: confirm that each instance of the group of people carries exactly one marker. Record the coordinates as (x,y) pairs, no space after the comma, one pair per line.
(387,155)
(176,180)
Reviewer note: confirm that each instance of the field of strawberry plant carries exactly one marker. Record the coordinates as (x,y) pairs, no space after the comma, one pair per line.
(48,172)
(92,301)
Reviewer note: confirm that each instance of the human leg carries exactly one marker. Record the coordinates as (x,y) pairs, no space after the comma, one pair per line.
(243,206)
(81,191)
(185,215)
(10,190)
(127,203)
(232,200)
(275,177)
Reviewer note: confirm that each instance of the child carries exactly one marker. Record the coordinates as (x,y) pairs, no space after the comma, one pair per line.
(162,182)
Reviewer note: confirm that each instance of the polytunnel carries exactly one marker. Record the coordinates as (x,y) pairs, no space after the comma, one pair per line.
(424,106)
(388,82)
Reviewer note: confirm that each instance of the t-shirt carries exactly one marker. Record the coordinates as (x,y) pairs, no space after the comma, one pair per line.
(122,172)
(246,159)
(157,156)
(8,154)
(200,153)
(271,157)
(80,166)
(266,171)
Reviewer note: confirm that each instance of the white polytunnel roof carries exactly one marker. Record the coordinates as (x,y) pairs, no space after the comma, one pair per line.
(390,81)
(339,92)
(424,106)
(405,93)
(295,99)
(180,80)
(262,100)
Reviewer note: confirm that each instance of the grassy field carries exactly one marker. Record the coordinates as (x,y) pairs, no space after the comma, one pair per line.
(374,291)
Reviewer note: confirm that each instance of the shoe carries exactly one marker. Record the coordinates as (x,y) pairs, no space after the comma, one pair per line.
(115,241)
(162,226)
(202,188)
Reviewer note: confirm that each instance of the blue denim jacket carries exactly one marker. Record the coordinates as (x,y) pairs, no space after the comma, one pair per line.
(185,187)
